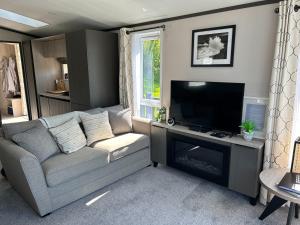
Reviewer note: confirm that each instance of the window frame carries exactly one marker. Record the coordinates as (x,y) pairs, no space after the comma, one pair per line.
(152,35)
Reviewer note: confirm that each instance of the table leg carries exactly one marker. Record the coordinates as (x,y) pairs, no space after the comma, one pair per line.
(3,173)
(291,214)
(275,204)
(296,211)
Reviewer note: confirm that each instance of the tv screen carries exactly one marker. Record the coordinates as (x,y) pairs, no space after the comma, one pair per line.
(210,105)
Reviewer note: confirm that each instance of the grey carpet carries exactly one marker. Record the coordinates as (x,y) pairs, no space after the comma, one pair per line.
(160,196)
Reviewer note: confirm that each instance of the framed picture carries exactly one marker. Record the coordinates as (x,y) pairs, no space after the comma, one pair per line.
(213,46)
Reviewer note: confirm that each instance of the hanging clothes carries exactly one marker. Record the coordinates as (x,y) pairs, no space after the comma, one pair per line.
(4,66)
(13,76)
(10,79)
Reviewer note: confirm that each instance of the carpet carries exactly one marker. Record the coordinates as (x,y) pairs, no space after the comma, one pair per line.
(158,196)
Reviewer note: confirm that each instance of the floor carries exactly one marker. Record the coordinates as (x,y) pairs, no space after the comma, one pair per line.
(158,196)
(11,119)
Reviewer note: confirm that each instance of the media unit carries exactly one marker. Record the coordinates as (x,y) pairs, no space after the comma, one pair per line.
(230,161)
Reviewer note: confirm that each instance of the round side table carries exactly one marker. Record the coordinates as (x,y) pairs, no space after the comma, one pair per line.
(269,180)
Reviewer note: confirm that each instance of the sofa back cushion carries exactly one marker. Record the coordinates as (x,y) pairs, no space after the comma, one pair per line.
(93,111)
(120,121)
(96,127)
(38,141)
(54,121)
(69,136)
(11,129)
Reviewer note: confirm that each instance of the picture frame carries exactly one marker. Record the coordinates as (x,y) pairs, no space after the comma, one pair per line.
(213,47)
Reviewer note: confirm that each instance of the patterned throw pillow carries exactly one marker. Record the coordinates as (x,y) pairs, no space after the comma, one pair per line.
(96,127)
(69,136)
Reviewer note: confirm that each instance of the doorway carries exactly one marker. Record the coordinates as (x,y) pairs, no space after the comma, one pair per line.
(13,100)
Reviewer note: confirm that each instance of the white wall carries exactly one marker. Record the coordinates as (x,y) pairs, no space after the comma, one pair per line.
(254,47)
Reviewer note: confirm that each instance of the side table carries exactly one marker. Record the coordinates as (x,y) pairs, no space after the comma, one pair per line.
(269,180)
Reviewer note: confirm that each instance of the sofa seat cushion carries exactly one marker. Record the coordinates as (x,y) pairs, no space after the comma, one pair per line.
(61,168)
(123,145)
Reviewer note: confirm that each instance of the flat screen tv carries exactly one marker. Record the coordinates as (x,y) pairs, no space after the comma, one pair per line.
(209,105)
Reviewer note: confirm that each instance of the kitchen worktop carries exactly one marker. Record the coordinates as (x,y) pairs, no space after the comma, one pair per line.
(56,96)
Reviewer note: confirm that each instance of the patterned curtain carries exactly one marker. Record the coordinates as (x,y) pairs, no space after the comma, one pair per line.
(125,75)
(282,90)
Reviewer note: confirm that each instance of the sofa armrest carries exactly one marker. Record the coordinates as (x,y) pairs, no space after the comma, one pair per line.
(141,125)
(25,174)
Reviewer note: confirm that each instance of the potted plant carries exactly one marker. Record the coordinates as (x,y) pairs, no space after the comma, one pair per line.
(163,113)
(248,127)
(160,114)
(157,116)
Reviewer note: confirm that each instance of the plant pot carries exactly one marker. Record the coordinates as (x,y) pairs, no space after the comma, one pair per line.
(248,136)
(163,117)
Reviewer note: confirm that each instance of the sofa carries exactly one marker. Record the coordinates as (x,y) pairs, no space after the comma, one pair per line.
(64,178)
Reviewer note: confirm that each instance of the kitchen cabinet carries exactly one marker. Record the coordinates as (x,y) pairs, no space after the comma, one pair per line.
(51,106)
(57,107)
(55,48)
(44,103)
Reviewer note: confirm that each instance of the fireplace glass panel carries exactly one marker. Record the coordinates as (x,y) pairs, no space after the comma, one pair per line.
(200,158)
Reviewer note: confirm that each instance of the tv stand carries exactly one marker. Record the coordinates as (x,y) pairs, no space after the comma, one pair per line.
(221,134)
(199,129)
(245,157)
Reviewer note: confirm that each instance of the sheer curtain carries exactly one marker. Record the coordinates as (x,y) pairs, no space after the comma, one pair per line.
(281,122)
(296,122)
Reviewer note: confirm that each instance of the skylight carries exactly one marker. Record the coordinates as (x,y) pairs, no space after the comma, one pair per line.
(21,19)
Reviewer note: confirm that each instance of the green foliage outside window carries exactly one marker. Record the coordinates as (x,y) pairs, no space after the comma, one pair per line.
(151,69)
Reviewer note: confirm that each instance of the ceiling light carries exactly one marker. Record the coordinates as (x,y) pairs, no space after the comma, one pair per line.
(144,9)
(21,19)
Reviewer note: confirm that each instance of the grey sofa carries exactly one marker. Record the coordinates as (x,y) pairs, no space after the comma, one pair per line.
(62,179)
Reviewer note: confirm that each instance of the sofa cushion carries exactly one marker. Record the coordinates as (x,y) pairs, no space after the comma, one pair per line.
(61,168)
(69,136)
(11,129)
(38,141)
(123,145)
(115,108)
(120,121)
(93,111)
(54,121)
(96,127)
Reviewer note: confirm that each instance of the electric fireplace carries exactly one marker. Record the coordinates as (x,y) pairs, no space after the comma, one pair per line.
(198,157)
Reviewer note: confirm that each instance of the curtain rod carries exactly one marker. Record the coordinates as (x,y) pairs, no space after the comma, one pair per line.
(150,28)
(296,9)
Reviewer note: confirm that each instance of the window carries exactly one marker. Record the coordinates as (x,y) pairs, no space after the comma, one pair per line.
(147,75)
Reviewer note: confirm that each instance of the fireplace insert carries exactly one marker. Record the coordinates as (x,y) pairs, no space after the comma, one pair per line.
(198,157)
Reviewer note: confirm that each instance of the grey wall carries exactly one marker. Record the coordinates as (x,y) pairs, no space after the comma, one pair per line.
(254,47)
(6,35)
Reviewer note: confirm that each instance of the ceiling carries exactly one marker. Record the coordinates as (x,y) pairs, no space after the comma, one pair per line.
(67,15)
